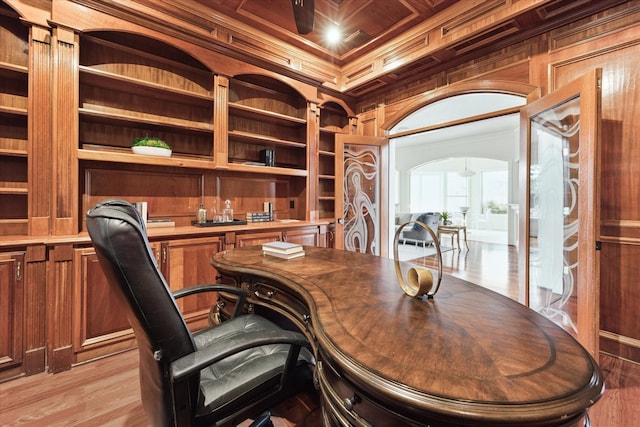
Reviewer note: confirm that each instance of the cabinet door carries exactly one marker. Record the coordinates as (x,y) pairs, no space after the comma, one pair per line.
(186,263)
(360,167)
(100,324)
(11,305)
(305,236)
(252,239)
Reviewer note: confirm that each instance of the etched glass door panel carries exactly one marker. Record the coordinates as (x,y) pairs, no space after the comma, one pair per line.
(359,228)
(562,268)
(361,198)
(554,213)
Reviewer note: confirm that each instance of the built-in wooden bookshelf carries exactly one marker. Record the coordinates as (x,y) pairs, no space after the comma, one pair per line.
(14,98)
(333,120)
(265,114)
(131,87)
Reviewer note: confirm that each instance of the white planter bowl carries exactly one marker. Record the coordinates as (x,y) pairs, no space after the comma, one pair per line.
(151,151)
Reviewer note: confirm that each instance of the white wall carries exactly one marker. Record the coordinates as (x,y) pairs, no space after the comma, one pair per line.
(499,146)
(412,152)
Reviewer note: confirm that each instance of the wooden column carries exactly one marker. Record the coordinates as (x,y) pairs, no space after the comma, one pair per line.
(313,165)
(39,143)
(64,105)
(60,308)
(221,120)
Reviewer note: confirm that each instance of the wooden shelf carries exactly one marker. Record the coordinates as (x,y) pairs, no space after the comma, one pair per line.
(333,121)
(133,118)
(14,127)
(332,131)
(22,189)
(132,86)
(264,139)
(7,68)
(105,79)
(103,154)
(265,113)
(269,116)
(273,170)
(14,221)
(13,111)
(12,153)
(128,51)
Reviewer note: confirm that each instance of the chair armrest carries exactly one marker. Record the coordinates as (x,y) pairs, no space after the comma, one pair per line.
(217,287)
(194,362)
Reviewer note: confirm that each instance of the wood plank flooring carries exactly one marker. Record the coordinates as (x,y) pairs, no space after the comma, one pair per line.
(106,392)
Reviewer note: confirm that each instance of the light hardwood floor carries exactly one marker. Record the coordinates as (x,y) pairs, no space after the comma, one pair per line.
(106,392)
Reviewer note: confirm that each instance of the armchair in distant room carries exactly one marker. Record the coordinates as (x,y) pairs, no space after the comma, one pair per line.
(418,234)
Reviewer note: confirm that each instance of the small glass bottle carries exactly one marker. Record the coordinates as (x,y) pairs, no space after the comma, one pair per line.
(227,212)
(202,214)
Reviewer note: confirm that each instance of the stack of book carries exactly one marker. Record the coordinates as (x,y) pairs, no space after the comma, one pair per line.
(160,222)
(268,157)
(259,216)
(283,250)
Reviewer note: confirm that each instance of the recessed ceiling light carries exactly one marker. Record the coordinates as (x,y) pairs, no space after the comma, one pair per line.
(333,35)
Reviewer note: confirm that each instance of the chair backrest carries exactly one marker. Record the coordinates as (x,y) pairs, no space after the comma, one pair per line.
(420,218)
(432,221)
(122,247)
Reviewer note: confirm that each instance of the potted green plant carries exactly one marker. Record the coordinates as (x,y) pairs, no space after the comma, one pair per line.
(444,216)
(151,146)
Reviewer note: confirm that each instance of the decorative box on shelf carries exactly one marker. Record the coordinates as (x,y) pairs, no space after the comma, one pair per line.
(259,216)
(212,223)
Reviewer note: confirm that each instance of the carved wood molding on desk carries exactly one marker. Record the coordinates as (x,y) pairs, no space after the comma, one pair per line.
(468,357)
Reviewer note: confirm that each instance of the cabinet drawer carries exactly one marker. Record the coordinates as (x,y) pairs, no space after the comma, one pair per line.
(346,405)
(262,292)
(269,300)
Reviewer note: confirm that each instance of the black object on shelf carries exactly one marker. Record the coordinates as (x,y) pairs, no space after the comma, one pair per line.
(268,157)
(211,223)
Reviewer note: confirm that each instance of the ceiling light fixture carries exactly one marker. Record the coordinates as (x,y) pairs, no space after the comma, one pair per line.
(333,35)
(466,173)
(303,14)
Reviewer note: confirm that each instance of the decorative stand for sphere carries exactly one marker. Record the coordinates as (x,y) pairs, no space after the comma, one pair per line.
(419,280)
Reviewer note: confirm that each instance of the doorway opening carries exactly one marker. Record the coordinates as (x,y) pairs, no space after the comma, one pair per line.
(473,191)
(449,156)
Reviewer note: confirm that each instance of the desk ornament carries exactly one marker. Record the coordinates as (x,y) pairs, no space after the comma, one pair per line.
(419,280)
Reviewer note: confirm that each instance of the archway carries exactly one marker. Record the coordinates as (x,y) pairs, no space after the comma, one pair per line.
(469,121)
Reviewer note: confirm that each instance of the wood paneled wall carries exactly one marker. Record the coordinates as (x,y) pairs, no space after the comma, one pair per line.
(610,41)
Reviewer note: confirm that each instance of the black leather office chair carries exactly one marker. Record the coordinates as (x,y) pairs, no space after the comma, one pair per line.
(218,376)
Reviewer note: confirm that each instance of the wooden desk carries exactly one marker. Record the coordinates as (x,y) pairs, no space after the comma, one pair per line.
(469,357)
(454,230)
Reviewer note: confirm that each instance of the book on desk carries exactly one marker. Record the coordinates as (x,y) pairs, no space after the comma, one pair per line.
(283,250)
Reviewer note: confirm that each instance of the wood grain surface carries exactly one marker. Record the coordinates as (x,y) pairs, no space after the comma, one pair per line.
(467,354)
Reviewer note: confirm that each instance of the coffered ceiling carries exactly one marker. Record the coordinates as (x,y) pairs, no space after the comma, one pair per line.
(383,41)
(364,24)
